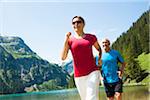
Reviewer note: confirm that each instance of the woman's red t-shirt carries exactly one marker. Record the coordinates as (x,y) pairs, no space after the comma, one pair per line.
(83,59)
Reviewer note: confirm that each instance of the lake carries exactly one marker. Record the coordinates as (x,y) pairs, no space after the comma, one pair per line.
(130,93)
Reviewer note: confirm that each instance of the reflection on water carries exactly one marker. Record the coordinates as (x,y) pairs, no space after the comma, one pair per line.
(130,93)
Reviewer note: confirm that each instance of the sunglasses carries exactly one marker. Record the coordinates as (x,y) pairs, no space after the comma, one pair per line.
(78,22)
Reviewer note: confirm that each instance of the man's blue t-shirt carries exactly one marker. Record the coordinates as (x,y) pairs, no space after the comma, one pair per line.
(110,65)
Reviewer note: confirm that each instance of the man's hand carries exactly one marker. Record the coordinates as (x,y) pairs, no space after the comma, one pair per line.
(121,70)
(120,73)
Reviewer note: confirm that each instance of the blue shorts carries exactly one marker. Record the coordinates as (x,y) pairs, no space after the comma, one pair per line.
(111,88)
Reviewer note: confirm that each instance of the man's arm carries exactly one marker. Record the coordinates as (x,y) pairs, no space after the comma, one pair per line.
(121,70)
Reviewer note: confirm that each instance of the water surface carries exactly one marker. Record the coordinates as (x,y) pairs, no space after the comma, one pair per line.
(130,93)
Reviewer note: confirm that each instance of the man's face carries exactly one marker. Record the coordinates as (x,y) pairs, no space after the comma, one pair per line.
(105,44)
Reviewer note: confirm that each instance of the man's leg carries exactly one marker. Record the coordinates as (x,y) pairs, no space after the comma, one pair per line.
(110,98)
(119,90)
(109,89)
(118,96)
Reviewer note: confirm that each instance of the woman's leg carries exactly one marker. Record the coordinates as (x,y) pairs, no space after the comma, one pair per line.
(81,84)
(93,86)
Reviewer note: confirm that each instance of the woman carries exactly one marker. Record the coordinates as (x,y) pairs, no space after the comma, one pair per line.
(86,73)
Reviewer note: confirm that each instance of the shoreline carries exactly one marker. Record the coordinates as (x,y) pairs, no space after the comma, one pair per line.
(137,84)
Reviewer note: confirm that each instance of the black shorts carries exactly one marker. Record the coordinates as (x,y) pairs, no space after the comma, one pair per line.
(111,88)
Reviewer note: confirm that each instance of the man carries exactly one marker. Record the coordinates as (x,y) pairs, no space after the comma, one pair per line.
(111,73)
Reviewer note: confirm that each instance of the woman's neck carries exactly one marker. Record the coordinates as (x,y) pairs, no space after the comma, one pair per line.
(79,34)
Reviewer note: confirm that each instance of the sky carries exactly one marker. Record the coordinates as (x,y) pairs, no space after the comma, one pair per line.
(42,24)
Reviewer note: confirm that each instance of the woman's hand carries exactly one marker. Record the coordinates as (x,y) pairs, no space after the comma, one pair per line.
(68,34)
(99,62)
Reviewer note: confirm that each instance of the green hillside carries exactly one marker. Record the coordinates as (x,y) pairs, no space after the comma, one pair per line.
(144,61)
(134,44)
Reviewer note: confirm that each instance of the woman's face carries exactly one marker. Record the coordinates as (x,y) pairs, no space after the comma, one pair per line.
(77,24)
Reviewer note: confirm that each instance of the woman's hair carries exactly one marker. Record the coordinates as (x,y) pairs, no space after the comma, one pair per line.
(79,18)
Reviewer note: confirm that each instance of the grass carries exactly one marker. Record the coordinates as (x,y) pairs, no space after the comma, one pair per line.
(144,61)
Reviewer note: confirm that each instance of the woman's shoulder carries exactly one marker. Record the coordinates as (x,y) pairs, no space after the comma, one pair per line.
(89,35)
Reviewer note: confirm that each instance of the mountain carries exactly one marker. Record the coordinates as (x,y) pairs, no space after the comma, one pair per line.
(68,67)
(20,67)
(16,47)
(10,79)
(136,40)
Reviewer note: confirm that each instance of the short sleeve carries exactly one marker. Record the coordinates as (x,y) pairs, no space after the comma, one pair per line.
(120,58)
(93,39)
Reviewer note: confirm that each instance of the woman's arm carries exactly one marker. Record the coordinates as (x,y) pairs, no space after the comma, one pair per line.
(66,47)
(98,48)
